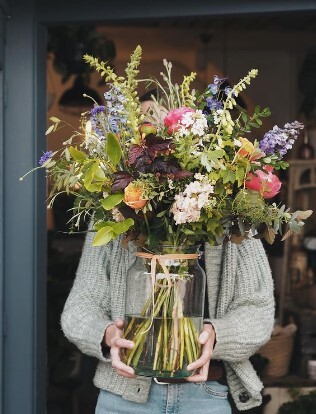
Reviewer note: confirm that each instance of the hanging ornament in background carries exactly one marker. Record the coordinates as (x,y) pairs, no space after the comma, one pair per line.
(67,45)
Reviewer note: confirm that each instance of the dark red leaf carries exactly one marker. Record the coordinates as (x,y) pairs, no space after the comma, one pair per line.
(157,145)
(121,180)
(180,175)
(142,161)
(159,165)
(135,151)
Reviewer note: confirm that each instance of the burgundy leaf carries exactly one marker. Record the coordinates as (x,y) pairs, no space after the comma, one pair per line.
(157,145)
(180,175)
(159,165)
(121,180)
(141,161)
(135,151)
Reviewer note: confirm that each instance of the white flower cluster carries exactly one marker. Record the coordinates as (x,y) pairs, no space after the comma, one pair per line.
(188,204)
(193,123)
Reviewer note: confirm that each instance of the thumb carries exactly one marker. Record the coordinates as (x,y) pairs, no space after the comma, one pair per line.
(204,337)
(119,323)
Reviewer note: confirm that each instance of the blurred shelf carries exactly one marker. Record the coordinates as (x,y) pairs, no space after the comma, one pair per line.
(288,381)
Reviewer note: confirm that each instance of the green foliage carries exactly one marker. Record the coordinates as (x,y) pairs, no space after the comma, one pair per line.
(111,201)
(107,230)
(113,149)
(78,156)
(254,121)
(94,178)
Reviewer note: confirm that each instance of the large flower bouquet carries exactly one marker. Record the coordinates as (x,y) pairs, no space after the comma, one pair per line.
(179,173)
(182,172)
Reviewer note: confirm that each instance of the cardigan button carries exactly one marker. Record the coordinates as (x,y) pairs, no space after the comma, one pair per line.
(244,397)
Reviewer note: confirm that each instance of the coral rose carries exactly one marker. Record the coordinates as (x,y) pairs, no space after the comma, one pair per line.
(266,183)
(133,196)
(172,120)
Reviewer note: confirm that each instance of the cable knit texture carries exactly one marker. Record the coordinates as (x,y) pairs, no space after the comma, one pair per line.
(241,307)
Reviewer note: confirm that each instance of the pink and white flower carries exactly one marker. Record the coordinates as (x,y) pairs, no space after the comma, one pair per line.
(186,121)
(172,120)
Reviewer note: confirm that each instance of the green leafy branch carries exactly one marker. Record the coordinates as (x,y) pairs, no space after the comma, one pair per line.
(250,122)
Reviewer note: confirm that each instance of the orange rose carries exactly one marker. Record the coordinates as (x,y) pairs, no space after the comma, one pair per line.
(133,196)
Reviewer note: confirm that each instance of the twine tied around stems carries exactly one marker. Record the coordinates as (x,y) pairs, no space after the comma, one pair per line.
(160,258)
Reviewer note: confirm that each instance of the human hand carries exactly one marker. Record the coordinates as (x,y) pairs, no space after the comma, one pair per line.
(113,339)
(207,339)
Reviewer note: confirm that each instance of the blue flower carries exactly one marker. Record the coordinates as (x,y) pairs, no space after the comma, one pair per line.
(213,88)
(214,104)
(280,140)
(228,90)
(45,157)
(111,117)
(218,81)
(97,109)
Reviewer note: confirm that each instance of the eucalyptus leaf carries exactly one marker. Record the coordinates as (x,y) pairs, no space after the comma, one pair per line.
(50,129)
(54,119)
(303,215)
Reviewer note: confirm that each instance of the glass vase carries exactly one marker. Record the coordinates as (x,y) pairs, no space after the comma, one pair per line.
(164,311)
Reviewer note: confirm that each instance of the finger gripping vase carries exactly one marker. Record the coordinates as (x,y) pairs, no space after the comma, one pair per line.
(164,311)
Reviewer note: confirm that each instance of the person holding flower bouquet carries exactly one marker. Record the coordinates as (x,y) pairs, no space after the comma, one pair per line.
(154,187)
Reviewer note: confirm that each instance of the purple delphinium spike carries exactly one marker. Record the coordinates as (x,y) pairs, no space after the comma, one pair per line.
(97,109)
(280,140)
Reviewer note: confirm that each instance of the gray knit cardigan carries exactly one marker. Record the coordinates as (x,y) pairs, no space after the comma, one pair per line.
(241,306)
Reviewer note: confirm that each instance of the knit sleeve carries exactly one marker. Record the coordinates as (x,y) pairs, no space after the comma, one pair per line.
(86,313)
(246,321)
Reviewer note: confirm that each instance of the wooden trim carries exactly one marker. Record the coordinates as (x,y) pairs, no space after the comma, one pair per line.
(60,11)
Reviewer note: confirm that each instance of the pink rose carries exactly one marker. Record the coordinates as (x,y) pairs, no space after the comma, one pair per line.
(264,182)
(173,118)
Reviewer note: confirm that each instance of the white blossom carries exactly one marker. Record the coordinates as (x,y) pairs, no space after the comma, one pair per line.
(199,176)
(188,204)
(193,123)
